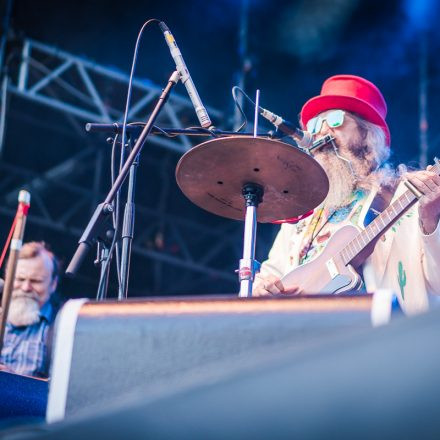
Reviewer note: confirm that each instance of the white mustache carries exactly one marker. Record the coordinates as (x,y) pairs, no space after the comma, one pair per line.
(21,294)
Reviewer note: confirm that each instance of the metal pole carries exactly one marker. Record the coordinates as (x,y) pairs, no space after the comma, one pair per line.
(253,195)
(128,232)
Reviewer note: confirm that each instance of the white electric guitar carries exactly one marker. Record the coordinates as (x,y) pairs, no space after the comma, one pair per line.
(334,270)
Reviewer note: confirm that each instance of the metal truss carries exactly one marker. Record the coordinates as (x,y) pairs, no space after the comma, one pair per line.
(85,91)
(95,93)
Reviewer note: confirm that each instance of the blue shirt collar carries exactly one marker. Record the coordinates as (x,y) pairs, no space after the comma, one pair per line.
(48,311)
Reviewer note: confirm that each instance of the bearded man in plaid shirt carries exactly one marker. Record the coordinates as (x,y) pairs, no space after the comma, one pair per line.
(32,312)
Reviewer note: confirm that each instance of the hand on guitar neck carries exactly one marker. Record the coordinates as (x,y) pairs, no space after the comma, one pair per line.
(428,183)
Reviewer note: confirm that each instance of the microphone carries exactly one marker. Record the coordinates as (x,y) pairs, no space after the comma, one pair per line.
(303,138)
(201,112)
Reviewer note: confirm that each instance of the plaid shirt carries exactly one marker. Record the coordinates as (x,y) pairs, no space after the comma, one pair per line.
(25,348)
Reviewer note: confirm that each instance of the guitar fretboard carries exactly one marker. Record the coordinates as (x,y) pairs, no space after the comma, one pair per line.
(381,223)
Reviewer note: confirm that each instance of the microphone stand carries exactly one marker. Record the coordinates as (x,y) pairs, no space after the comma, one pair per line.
(103,259)
(128,231)
(136,128)
(97,228)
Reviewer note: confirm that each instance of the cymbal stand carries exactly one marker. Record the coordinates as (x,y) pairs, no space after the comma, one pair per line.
(253,195)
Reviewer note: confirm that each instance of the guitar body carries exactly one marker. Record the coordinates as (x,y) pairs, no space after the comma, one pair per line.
(327,273)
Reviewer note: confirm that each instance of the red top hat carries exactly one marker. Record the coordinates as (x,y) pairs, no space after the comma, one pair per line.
(350,93)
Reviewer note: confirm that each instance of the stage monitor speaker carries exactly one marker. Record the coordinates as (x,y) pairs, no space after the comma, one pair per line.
(105,352)
(382,383)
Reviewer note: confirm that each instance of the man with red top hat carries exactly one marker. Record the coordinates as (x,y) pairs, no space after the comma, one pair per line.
(352,111)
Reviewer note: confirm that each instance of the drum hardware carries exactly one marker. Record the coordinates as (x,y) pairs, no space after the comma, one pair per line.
(245,177)
(235,173)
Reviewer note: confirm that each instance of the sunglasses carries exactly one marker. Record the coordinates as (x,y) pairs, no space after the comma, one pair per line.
(334,119)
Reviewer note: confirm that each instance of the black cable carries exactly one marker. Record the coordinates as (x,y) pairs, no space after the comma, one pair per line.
(171,135)
(113,177)
(130,82)
(142,124)
(113,243)
(104,268)
(113,158)
(237,104)
(116,217)
(207,130)
(243,93)
(203,130)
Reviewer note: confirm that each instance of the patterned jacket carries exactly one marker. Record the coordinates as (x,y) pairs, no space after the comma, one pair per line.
(404,259)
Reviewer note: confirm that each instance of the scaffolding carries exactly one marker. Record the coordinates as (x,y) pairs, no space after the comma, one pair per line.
(84,91)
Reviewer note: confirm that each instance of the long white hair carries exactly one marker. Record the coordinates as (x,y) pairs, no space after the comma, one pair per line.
(376,153)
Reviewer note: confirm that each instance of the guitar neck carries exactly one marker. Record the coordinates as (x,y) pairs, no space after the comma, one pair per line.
(378,226)
(381,223)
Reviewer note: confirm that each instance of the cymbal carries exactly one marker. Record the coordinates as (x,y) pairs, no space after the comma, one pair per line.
(213,173)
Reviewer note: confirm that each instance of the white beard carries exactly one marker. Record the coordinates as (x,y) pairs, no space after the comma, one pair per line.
(23,310)
(342,181)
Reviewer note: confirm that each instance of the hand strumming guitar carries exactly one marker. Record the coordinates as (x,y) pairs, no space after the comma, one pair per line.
(271,285)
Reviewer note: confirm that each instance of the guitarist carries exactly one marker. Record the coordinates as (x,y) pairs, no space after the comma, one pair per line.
(352,110)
